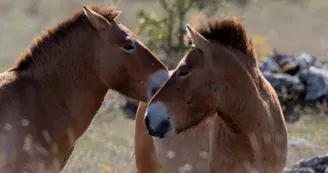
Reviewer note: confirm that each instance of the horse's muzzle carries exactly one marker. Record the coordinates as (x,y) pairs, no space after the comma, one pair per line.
(157,122)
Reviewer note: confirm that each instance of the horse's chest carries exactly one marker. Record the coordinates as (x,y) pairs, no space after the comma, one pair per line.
(187,152)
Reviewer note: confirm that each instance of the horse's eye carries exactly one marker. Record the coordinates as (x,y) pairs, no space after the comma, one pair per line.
(184,73)
(128,47)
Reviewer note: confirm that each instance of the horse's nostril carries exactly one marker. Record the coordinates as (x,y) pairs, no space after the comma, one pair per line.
(162,128)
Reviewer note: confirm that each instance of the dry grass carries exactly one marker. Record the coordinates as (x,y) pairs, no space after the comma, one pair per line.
(307,138)
(107,144)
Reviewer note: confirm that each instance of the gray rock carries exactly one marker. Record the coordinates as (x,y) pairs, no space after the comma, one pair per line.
(269,66)
(305,60)
(318,164)
(326,170)
(130,108)
(301,170)
(316,83)
(280,80)
(310,162)
(300,82)
(320,64)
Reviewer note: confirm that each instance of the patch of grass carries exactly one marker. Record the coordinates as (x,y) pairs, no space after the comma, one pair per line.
(106,146)
(307,138)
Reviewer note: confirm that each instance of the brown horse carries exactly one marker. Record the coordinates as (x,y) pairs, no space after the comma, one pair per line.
(216,113)
(49,98)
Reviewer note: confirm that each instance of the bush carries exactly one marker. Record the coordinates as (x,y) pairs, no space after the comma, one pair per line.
(165,34)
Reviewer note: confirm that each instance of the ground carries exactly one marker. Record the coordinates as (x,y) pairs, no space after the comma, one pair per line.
(107,145)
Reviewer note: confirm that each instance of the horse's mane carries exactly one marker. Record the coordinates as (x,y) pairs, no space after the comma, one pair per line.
(228,32)
(55,35)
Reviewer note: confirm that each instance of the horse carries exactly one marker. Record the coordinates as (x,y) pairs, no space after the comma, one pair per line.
(52,93)
(216,113)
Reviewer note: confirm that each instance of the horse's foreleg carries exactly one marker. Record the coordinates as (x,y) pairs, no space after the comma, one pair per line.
(146,160)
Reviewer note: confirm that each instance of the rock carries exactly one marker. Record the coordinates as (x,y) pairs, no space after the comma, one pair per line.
(287,63)
(281,80)
(301,170)
(320,168)
(131,107)
(300,82)
(310,162)
(316,83)
(320,64)
(305,60)
(269,66)
(324,159)
(326,170)
(317,164)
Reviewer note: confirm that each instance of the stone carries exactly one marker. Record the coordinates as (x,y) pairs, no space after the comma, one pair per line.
(317,164)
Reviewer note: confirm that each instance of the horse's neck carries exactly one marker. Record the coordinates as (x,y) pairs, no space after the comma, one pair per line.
(70,90)
(244,137)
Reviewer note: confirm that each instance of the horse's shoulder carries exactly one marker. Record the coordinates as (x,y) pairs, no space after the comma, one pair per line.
(10,81)
(14,88)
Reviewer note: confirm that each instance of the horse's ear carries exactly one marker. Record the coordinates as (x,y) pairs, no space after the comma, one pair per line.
(96,19)
(197,40)
(118,14)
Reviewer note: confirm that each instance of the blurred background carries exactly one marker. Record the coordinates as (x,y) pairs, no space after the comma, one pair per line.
(291,41)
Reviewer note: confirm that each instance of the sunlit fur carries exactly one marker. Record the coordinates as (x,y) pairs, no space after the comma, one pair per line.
(53,36)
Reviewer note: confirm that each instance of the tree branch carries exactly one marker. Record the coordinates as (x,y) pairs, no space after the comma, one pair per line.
(164,5)
(189,5)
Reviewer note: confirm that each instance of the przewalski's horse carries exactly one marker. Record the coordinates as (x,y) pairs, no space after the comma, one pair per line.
(216,113)
(49,98)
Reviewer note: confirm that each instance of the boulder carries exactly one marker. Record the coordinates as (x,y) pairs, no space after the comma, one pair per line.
(299,81)
(316,81)
(317,164)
